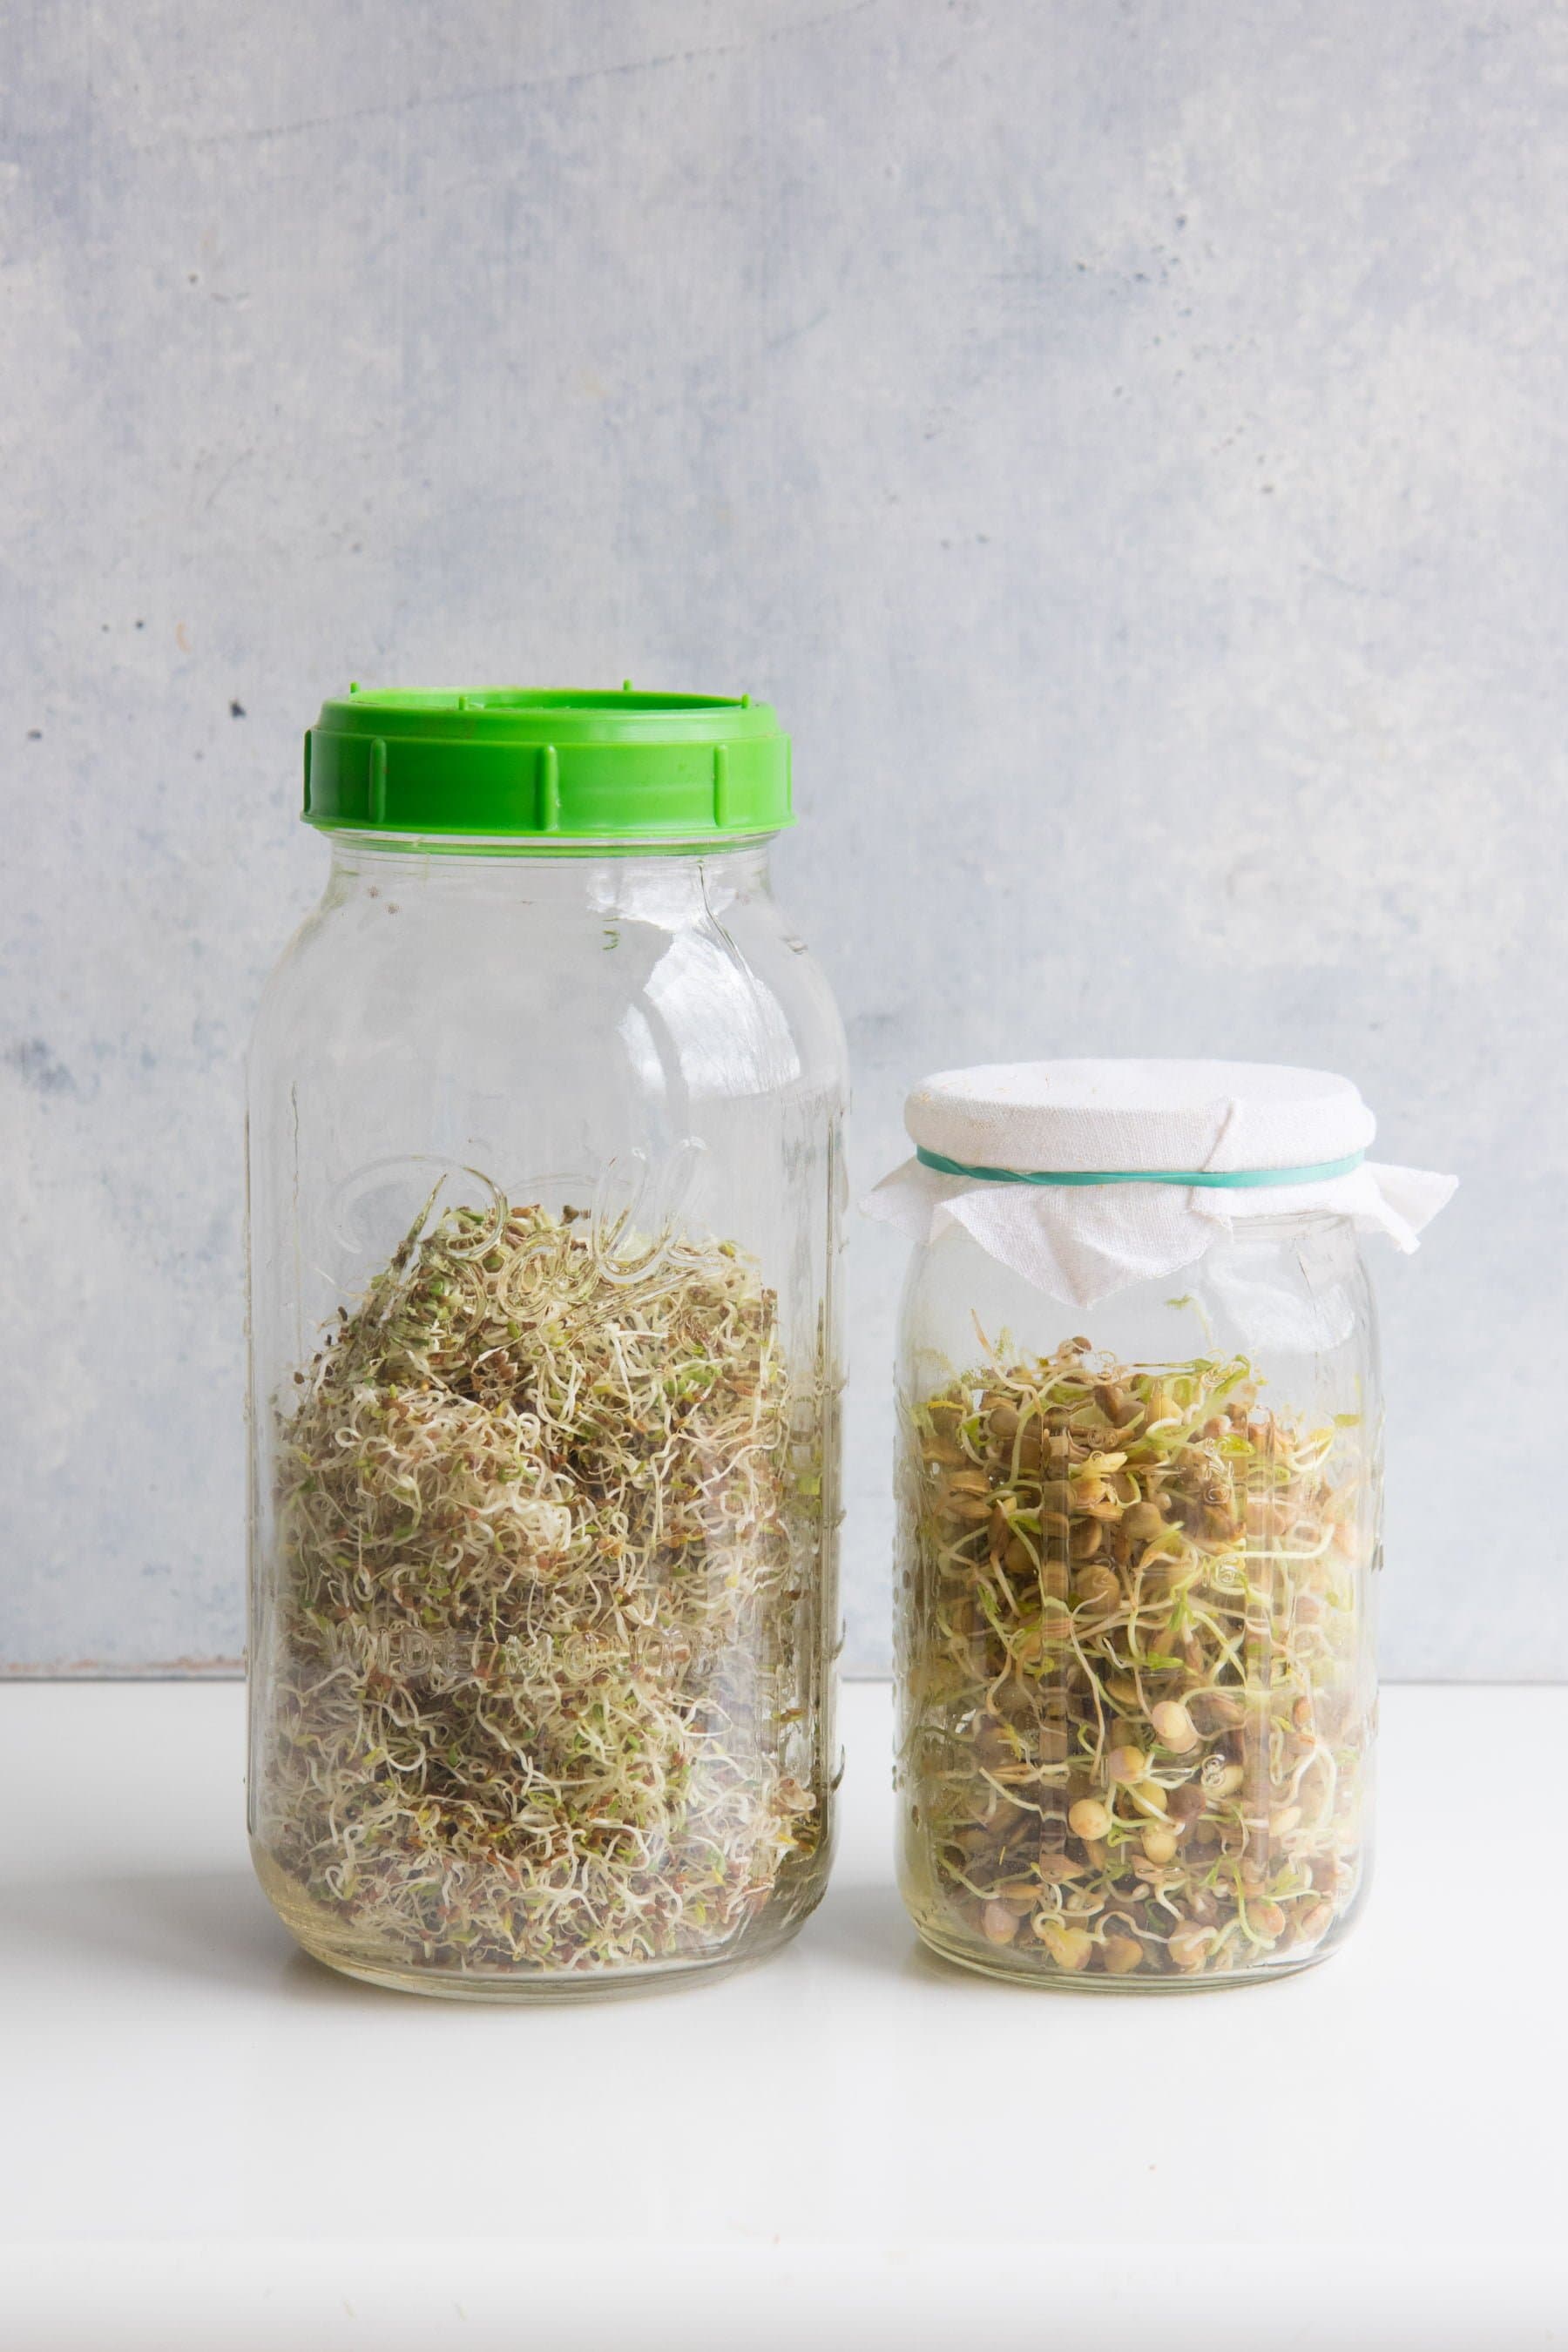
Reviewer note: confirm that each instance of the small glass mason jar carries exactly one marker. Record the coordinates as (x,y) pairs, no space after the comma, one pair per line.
(1138,1542)
(545,1110)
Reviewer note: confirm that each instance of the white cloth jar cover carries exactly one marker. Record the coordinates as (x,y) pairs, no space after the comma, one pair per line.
(1233,1126)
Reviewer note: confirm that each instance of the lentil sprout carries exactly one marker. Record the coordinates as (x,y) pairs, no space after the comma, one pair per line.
(1136,1692)
(547,1536)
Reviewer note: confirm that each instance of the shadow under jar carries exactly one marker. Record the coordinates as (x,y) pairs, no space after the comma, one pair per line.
(1137,1550)
(544,1146)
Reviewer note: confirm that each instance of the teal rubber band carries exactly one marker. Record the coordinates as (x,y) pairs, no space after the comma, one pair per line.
(1219,1179)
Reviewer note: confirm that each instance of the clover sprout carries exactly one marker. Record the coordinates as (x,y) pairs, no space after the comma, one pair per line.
(544,1612)
(1135,1680)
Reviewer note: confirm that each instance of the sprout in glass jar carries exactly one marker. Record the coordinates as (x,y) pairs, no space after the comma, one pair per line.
(545,1540)
(1136,1685)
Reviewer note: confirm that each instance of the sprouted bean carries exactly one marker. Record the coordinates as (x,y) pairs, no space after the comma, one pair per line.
(1136,1698)
(547,1541)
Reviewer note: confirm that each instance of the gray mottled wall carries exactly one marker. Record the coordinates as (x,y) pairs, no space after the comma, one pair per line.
(1127,441)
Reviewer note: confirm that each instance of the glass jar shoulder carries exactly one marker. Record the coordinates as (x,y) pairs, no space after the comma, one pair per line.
(1286,1287)
(674,971)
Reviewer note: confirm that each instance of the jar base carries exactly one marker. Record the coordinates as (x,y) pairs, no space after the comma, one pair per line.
(305,1923)
(1064,1980)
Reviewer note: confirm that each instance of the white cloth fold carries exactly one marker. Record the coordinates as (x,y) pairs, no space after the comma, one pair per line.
(1080,1244)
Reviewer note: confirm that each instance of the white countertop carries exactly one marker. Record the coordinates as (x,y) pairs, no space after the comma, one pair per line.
(206,2140)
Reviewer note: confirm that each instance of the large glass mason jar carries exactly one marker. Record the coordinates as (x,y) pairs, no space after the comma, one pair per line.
(1140,1463)
(545,1154)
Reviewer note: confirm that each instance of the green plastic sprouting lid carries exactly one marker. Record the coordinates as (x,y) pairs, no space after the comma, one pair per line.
(518,762)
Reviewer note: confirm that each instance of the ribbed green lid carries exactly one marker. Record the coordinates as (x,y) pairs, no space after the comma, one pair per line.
(527,762)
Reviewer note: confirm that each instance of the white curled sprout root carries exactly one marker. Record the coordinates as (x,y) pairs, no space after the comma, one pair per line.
(1136,1697)
(546,1592)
